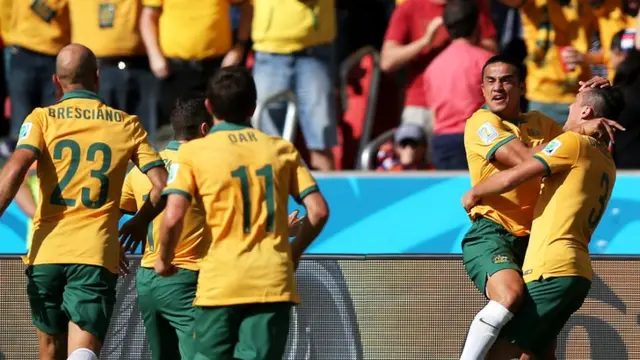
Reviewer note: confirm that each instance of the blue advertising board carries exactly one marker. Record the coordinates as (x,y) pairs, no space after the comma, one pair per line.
(407,214)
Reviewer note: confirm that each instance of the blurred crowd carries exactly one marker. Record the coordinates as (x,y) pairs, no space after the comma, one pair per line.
(410,96)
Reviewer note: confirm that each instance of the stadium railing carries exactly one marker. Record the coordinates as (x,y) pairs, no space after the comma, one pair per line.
(371,307)
(291,117)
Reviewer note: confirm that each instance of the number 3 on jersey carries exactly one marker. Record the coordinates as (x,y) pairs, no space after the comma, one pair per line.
(100,174)
(267,173)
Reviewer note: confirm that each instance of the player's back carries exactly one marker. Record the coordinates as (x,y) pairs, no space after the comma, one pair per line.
(191,245)
(573,199)
(485,133)
(243,178)
(84,147)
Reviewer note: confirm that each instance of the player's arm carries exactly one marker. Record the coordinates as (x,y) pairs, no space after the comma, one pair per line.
(180,190)
(306,192)
(12,175)
(559,155)
(25,200)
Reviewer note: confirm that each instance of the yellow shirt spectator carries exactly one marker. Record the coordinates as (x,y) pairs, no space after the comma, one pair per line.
(107,28)
(484,134)
(40,25)
(245,196)
(548,26)
(575,193)
(5,20)
(611,19)
(191,246)
(194,29)
(81,178)
(287,26)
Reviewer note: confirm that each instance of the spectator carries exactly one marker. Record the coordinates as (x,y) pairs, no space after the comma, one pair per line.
(627,145)
(39,29)
(557,35)
(407,44)
(612,16)
(293,50)
(621,45)
(409,151)
(125,77)
(186,43)
(453,83)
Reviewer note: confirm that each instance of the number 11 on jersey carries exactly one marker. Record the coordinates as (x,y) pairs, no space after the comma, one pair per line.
(267,173)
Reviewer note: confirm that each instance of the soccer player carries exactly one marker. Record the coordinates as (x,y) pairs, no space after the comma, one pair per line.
(579,175)
(82,147)
(493,248)
(166,303)
(243,178)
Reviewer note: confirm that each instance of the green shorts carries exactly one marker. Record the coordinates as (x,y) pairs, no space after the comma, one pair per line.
(249,331)
(82,294)
(488,248)
(166,306)
(546,308)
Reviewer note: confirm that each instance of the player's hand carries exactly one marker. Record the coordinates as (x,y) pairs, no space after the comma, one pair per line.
(469,200)
(124,263)
(431,29)
(132,233)
(597,128)
(159,66)
(233,57)
(596,82)
(571,57)
(164,268)
(295,223)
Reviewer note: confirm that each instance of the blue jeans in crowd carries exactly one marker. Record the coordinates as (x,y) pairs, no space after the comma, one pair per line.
(30,84)
(448,152)
(308,73)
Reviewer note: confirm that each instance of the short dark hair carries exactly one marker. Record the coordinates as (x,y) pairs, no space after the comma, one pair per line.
(460,17)
(232,94)
(187,116)
(605,102)
(504,59)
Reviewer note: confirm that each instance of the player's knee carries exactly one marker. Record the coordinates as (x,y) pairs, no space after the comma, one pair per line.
(82,354)
(506,290)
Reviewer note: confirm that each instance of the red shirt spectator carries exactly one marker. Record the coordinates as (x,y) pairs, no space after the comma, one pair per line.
(455,80)
(409,23)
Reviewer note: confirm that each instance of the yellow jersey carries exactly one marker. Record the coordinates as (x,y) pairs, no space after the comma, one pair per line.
(191,245)
(611,19)
(194,29)
(81,175)
(108,28)
(244,195)
(484,134)
(287,26)
(40,25)
(575,192)
(548,26)
(5,21)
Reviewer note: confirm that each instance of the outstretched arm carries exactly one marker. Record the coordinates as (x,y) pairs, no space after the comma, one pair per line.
(13,174)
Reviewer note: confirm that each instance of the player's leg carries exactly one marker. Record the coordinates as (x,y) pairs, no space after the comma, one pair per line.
(547,306)
(174,296)
(313,84)
(492,258)
(263,331)
(45,285)
(215,332)
(88,300)
(162,340)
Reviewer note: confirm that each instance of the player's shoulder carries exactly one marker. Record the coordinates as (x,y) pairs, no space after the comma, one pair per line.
(480,119)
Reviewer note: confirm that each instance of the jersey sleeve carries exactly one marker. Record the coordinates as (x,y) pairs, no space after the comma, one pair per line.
(144,155)
(31,135)
(181,178)
(302,182)
(398,29)
(484,134)
(560,154)
(128,204)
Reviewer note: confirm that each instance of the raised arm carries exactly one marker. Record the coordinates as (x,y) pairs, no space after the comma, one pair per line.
(12,175)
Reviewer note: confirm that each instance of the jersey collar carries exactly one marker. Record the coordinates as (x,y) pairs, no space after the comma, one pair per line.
(227,126)
(173,145)
(81,94)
